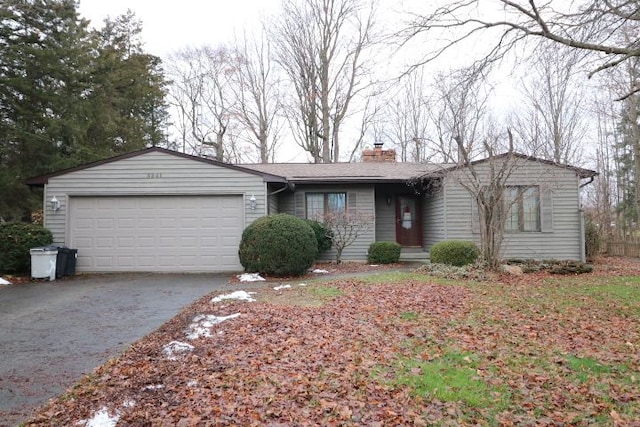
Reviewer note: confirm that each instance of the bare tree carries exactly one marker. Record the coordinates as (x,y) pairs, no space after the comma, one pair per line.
(590,25)
(322,45)
(603,197)
(458,113)
(202,79)
(408,119)
(345,228)
(551,122)
(258,95)
(370,128)
(487,183)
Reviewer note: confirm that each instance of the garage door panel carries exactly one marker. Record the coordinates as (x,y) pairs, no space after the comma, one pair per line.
(157,233)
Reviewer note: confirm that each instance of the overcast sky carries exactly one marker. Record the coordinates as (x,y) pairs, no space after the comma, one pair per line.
(168,26)
(171,25)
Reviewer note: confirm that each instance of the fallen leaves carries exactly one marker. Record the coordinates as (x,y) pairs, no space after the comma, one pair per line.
(336,364)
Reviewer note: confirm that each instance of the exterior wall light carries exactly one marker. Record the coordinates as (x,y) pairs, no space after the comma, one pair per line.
(252,201)
(55,204)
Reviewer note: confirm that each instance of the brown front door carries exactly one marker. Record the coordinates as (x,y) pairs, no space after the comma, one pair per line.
(408,221)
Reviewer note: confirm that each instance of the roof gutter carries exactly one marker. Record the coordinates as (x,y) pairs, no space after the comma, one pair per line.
(288,186)
(588,182)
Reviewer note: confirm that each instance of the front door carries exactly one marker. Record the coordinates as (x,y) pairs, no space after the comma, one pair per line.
(408,221)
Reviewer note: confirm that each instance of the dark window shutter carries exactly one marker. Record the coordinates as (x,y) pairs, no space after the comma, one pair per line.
(352,202)
(475,215)
(546,211)
(299,205)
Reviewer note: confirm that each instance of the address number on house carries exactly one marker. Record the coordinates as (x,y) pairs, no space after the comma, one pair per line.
(154,175)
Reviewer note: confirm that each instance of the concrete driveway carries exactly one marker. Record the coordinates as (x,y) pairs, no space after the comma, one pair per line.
(51,333)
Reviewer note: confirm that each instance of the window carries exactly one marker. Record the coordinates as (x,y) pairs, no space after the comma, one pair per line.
(524,208)
(320,204)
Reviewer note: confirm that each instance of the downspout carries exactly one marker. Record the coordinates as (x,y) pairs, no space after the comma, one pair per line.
(445,208)
(583,252)
(288,186)
(587,183)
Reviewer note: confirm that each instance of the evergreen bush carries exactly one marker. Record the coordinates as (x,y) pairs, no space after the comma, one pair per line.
(16,239)
(592,240)
(279,244)
(454,252)
(384,252)
(323,235)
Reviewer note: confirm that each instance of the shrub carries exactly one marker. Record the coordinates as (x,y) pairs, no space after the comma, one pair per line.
(16,238)
(591,239)
(323,235)
(384,253)
(454,252)
(278,244)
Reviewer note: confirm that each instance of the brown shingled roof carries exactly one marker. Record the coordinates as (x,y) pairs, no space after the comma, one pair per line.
(346,172)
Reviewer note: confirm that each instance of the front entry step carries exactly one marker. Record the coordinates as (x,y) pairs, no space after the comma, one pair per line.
(414,255)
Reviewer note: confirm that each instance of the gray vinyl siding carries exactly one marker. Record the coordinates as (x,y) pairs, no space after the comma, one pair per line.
(362,196)
(273,203)
(433,222)
(386,212)
(152,173)
(560,237)
(385,219)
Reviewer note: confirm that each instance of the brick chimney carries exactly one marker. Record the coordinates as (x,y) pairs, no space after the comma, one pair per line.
(378,154)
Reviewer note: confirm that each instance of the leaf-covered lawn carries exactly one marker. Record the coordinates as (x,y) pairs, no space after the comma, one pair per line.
(392,349)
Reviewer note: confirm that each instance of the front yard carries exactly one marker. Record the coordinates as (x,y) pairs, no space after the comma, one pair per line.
(389,349)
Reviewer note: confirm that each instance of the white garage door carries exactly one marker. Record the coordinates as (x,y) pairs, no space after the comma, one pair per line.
(157,233)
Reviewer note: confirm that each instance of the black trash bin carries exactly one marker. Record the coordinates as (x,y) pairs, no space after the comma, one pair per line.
(72,256)
(66,261)
(61,262)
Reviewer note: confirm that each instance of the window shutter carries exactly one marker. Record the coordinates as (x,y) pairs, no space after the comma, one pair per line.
(546,211)
(475,216)
(299,204)
(352,201)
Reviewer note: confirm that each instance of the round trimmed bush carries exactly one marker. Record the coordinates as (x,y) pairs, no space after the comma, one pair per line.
(281,244)
(16,239)
(324,236)
(384,252)
(454,252)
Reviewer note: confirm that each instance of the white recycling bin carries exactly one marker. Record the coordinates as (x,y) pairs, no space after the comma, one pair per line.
(43,262)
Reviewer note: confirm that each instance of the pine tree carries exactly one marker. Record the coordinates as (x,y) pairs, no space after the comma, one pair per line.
(43,53)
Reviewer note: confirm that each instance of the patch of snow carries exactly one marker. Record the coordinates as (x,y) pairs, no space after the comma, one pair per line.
(4,282)
(174,347)
(277,288)
(129,403)
(101,419)
(192,383)
(374,265)
(319,271)
(251,277)
(302,284)
(201,324)
(239,295)
(154,387)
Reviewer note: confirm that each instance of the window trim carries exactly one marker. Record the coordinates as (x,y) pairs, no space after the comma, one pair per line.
(325,202)
(520,203)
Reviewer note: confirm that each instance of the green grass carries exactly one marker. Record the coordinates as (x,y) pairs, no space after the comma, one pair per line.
(324,292)
(401,276)
(529,345)
(587,365)
(409,315)
(452,377)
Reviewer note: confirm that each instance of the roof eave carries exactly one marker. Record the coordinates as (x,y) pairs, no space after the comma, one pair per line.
(42,180)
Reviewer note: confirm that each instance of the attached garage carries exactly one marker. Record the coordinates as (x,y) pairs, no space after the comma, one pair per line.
(161,233)
(154,210)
